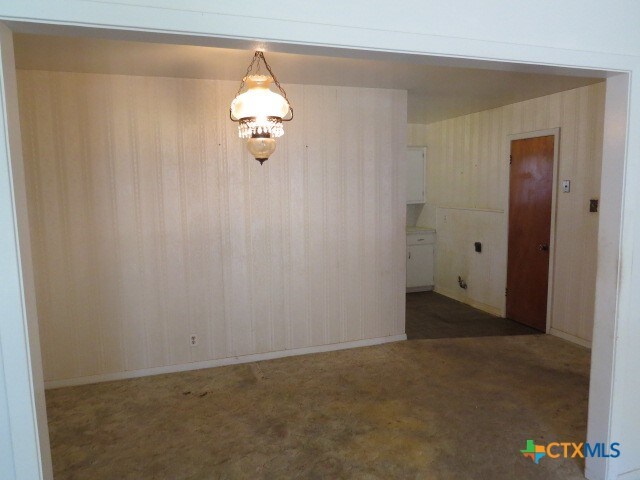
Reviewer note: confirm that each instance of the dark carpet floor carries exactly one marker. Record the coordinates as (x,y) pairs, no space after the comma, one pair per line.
(431,315)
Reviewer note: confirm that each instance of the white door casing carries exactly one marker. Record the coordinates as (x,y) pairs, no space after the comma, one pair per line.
(591,40)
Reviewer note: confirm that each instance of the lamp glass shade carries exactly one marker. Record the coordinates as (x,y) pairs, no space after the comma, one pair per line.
(261,148)
(259,101)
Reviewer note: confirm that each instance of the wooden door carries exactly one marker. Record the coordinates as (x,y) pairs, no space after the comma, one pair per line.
(530,194)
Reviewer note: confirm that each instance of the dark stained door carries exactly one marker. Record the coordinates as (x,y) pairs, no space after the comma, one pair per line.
(530,192)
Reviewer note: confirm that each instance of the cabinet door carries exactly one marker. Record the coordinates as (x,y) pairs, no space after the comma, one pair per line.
(419,266)
(416,175)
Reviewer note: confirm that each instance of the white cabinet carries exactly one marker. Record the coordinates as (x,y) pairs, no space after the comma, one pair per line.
(416,167)
(420,261)
(420,266)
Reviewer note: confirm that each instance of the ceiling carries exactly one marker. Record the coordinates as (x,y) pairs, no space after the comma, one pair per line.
(435,92)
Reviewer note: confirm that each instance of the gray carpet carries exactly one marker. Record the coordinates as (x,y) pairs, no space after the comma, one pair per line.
(421,409)
(431,315)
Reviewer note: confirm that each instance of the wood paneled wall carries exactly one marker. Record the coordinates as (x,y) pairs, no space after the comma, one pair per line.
(467,195)
(151,222)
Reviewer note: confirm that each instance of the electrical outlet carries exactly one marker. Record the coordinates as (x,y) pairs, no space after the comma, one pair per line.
(193,340)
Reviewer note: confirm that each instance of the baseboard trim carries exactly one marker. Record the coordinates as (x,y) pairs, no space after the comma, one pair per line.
(598,475)
(472,303)
(630,475)
(569,338)
(419,289)
(220,362)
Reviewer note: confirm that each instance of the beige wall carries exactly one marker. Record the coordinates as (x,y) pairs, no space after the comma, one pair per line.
(467,194)
(150,221)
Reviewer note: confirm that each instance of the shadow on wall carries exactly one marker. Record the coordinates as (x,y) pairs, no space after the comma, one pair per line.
(413,214)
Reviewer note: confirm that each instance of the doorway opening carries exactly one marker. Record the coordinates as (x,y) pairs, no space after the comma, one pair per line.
(467,208)
(460,280)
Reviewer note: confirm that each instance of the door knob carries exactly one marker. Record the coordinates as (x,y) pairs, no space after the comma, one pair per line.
(543,247)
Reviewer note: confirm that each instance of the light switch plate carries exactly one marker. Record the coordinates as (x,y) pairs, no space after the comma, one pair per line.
(566,186)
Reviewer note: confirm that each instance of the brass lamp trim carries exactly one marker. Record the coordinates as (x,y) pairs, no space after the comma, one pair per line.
(259,111)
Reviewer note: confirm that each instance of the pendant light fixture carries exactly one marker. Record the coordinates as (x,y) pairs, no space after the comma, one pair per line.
(260,111)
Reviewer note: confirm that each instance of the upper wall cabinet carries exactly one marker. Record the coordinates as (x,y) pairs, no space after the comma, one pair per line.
(416,168)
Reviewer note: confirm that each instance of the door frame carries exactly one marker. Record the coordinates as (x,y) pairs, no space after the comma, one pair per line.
(618,230)
(555,132)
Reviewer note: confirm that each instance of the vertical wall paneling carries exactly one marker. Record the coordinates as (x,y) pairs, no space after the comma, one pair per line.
(152,222)
(467,186)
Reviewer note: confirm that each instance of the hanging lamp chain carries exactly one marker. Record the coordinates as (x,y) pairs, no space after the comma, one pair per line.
(257,58)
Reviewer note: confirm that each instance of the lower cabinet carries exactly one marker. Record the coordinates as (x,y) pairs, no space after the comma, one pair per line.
(420,262)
